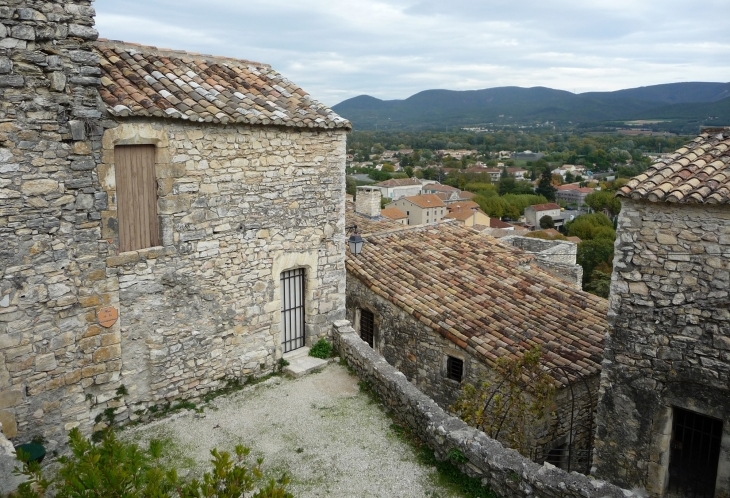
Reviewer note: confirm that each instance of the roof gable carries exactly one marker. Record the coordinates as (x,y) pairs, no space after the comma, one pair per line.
(142,81)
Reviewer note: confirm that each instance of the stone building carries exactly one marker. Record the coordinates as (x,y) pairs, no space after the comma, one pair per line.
(664,415)
(441,303)
(167,220)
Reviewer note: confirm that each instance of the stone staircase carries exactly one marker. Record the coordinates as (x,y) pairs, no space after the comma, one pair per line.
(300,363)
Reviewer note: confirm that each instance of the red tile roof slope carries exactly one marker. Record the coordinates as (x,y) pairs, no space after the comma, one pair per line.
(393,213)
(367,225)
(497,223)
(399,182)
(475,292)
(143,81)
(545,207)
(437,187)
(426,200)
(698,173)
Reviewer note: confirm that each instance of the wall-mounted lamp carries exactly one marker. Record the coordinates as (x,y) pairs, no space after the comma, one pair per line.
(355,241)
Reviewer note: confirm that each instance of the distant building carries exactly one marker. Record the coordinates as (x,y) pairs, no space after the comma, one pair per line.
(467,213)
(399,187)
(537,211)
(421,209)
(395,214)
(573,193)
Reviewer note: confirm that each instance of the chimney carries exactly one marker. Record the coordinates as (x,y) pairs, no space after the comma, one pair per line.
(367,202)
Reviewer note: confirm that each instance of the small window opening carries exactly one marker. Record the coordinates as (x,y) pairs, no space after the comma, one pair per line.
(454,368)
(367,327)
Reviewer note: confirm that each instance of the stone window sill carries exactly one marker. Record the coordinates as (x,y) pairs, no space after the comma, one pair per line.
(125,258)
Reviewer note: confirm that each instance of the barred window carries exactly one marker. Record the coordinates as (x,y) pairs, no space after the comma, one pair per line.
(454,368)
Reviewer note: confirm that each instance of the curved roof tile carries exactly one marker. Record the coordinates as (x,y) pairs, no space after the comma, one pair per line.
(143,81)
(698,173)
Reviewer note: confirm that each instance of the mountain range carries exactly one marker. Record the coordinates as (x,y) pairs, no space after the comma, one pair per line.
(683,104)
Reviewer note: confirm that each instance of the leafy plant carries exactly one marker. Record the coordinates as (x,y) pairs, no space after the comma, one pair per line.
(115,468)
(510,407)
(321,349)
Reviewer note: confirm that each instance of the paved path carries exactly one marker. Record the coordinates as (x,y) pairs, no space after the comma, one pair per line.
(332,439)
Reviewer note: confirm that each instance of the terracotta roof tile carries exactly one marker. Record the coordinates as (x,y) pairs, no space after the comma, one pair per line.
(479,294)
(426,200)
(142,81)
(545,207)
(399,182)
(393,213)
(698,173)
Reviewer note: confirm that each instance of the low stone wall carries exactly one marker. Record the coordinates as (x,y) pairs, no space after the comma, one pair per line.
(504,470)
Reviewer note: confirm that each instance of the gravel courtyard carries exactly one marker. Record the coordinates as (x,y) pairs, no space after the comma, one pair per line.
(330,438)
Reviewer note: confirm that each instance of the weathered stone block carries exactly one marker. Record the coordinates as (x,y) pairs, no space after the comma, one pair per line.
(10,398)
(39,187)
(9,424)
(45,362)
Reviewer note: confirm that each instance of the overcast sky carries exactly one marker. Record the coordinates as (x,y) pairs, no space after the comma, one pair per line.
(391,49)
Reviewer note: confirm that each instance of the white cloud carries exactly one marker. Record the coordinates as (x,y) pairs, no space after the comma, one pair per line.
(395,48)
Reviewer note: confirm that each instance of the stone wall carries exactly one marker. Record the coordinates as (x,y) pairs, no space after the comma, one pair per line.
(421,354)
(237,205)
(557,257)
(669,343)
(52,280)
(504,470)
(367,201)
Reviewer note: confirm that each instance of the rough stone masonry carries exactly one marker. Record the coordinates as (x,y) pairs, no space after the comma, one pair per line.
(237,205)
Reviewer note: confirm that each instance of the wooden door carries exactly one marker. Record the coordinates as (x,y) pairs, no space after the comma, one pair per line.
(136,197)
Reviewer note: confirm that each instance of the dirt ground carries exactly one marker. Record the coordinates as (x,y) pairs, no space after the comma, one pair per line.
(331,439)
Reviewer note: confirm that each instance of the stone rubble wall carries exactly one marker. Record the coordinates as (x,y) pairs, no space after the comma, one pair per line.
(504,470)
(557,257)
(420,354)
(238,205)
(52,280)
(669,338)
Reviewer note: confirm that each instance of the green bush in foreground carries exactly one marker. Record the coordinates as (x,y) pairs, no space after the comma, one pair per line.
(114,468)
(321,349)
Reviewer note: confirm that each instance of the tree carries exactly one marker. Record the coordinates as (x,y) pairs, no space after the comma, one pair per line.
(599,283)
(592,253)
(600,200)
(350,186)
(409,171)
(588,226)
(510,408)
(569,178)
(507,185)
(388,168)
(545,185)
(547,222)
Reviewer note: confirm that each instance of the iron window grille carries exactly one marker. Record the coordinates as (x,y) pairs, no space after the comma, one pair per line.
(454,368)
(292,309)
(694,455)
(367,327)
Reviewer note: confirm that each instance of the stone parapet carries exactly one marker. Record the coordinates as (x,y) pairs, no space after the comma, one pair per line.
(504,470)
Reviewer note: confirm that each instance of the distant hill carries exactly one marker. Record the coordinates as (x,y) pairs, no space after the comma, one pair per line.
(506,105)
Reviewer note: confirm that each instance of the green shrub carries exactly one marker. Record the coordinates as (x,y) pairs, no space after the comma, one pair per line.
(117,468)
(322,349)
